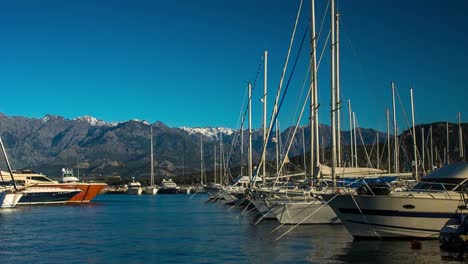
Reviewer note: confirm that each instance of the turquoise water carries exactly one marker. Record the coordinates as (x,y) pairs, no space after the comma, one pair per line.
(181,229)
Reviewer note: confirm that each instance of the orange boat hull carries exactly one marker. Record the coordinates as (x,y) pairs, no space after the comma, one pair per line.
(88,190)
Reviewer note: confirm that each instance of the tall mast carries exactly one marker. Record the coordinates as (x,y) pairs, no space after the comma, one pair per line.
(152,156)
(333,89)
(460,137)
(395,131)
(277,148)
(351,133)
(201,161)
(314,134)
(415,149)
(250,132)
(432,149)
(304,154)
(242,150)
(323,150)
(378,151)
(265,92)
(397,150)
(388,141)
(214,164)
(221,158)
(338,101)
(448,148)
(423,150)
(355,141)
(5,156)
(280,150)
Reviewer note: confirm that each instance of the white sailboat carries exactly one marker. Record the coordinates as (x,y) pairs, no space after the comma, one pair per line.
(312,209)
(151,189)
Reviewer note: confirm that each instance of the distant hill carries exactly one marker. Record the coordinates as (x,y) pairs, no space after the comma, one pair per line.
(96,147)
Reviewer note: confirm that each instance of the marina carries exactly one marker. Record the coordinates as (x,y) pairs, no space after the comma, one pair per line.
(318,131)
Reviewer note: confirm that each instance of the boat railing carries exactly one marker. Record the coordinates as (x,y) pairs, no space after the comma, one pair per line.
(444,188)
(463,198)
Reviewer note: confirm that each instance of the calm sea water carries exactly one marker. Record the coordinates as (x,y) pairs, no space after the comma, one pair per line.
(181,229)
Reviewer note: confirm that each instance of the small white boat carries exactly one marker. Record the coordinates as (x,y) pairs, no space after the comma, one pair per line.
(134,188)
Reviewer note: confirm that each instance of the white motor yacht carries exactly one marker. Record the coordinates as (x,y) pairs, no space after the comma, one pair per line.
(420,212)
(169,187)
(134,188)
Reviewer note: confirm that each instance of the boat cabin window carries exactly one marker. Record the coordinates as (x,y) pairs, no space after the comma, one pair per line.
(438,184)
(20,182)
(39,178)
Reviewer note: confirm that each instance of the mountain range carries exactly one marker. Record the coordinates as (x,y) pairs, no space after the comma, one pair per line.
(99,148)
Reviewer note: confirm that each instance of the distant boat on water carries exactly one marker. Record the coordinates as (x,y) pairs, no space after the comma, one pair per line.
(169,187)
(134,187)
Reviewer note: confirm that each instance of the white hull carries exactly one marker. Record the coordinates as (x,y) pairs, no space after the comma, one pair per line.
(388,216)
(10,200)
(134,190)
(308,212)
(261,206)
(229,197)
(151,190)
(213,192)
(2,196)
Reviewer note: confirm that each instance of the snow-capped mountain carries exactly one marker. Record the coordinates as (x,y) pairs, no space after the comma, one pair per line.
(92,121)
(46,144)
(141,121)
(211,132)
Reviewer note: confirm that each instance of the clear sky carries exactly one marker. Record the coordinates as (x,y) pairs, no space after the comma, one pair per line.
(187,63)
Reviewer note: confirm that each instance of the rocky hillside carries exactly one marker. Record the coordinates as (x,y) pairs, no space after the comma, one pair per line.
(96,147)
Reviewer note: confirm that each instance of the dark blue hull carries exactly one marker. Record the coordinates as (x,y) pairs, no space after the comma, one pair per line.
(46,197)
(169,191)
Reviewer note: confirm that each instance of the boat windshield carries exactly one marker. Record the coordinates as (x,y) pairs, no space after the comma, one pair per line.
(39,178)
(438,184)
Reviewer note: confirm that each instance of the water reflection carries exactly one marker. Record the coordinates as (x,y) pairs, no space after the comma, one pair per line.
(377,251)
(176,229)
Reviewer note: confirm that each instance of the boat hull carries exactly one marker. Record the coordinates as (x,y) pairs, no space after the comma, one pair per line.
(169,191)
(11,199)
(230,197)
(88,190)
(212,191)
(151,190)
(134,190)
(262,208)
(44,195)
(390,217)
(306,212)
(2,196)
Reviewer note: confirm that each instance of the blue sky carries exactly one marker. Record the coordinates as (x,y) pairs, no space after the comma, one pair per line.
(187,63)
